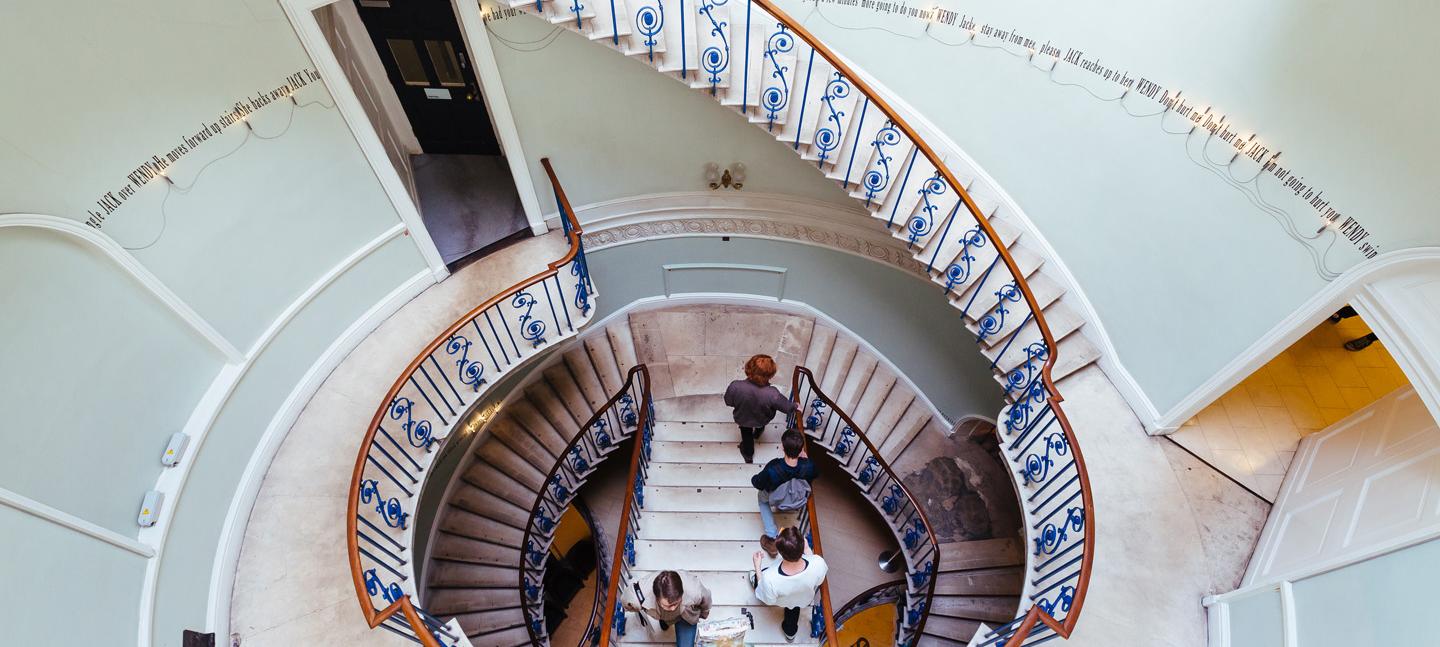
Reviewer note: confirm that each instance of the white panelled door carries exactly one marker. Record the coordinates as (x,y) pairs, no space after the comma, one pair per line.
(1368,484)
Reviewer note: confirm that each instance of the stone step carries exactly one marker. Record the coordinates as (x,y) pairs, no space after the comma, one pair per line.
(714,431)
(1046,291)
(447,602)
(622,343)
(461,575)
(943,631)
(587,379)
(519,441)
(983,553)
(490,479)
(1001,580)
(817,354)
(992,608)
(694,408)
(461,522)
(560,380)
(511,464)
(720,474)
(553,407)
(603,359)
(716,526)
(700,499)
(483,626)
(915,419)
(673,451)
(510,637)
(463,549)
(718,555)
(469,498)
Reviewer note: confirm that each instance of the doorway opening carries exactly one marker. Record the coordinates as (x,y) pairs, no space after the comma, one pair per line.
(1251,434)
(415,78)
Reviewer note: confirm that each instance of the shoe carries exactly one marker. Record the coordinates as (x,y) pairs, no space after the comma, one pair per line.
(754,583)
(1361,343)
(664,626)
(789,638)
(767,544)
(750,456)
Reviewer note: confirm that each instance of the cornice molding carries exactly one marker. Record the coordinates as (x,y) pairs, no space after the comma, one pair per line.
(775,217)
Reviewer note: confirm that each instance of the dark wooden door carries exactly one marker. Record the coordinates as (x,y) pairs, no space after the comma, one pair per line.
(424,55)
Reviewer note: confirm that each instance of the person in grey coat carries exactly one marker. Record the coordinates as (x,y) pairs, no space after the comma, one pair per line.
(755,402)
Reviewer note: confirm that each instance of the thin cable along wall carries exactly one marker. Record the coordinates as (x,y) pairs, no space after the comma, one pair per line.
(430,398)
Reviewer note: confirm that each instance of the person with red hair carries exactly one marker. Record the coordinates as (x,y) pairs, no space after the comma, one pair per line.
(755,402)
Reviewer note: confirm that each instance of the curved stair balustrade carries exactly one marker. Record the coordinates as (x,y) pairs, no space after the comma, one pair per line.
(752,57)
(822,617)
(431,396)
(818,417)
(630,511)
(618,420)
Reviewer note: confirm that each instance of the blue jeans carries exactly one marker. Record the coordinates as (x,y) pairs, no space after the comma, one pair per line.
(684,634)
(767,516)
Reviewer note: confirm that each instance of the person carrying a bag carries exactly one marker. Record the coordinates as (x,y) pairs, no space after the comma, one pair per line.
(783,485)
(678,599)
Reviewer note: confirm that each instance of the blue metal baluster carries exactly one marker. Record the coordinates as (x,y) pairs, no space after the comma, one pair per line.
(874,180)
(776,98)
(684,53)
(448,381)
(554,316)
(745,74)
(957,273)
(378,466)
(949,220)
(904,181)
(804,96)
(855,146)
(826,138)
(650,21)
(921,223)
(715,60)
(614,25)
(436,389)
(978,285)
(498,341)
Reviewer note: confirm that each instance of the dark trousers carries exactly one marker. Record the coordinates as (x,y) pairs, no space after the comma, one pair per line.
(747,440)
(791,623)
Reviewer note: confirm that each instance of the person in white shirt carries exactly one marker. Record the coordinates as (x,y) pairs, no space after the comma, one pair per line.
(790,581)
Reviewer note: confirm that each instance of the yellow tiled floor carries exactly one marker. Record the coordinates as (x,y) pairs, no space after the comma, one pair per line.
(1252,431)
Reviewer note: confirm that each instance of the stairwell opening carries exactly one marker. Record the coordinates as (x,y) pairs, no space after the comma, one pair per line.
(1253,431)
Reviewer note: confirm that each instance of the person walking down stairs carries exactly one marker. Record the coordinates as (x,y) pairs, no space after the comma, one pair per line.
(790,581)
(755,402)
(676,598)
(783,485)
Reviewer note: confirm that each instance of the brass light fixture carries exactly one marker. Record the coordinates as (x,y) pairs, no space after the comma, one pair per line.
(732,177)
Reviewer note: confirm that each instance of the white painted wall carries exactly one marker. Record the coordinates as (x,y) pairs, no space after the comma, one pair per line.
(614,128)
(1184,270)
(282,242)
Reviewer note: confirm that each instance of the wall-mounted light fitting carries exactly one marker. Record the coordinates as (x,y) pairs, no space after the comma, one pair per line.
(732,177)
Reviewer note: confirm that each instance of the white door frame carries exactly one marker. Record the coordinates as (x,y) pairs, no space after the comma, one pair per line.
(497,104)
(1355,287)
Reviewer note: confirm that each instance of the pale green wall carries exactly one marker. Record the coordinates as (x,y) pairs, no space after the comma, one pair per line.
(1183,270)
(63,588)
(183,594)
(905,317)
(615,128)
(1381,601)
(97,374)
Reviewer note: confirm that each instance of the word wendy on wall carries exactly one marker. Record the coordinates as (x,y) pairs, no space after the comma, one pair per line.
(1245,146)
(154,167)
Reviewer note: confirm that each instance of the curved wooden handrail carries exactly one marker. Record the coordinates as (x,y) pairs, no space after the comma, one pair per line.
(884,465)
(638,370)
(826,609)
(1053,396)
(612,591)
(404,605)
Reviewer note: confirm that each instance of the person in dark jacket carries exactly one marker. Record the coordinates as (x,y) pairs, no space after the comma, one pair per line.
(795,465)
(755,402)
